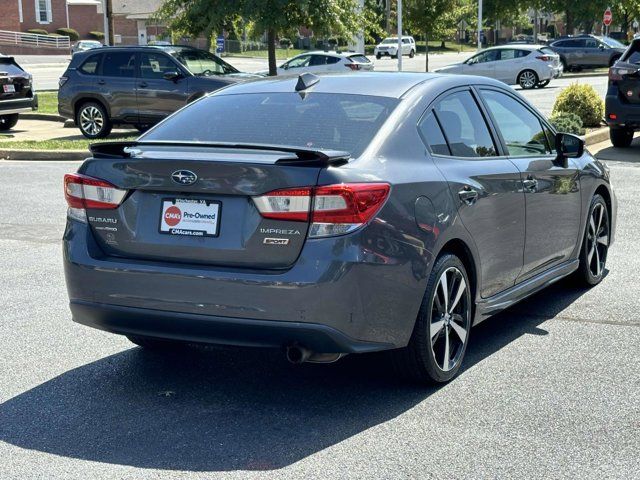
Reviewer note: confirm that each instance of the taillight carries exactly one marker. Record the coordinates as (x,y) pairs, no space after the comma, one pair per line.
(616,73)
(352,66)
(544,58)
(62,81)
(82,192)
(332,209)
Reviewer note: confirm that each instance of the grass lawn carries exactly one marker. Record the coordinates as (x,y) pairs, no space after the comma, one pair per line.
(61,143)
(48,102)
(281,53)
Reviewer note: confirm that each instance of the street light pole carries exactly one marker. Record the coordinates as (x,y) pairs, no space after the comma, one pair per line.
(479,24)
(399,52)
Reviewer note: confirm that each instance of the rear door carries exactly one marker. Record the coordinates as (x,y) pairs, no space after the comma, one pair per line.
(156,96)
(508,65)
(552,192)
(485,186)
(116,83)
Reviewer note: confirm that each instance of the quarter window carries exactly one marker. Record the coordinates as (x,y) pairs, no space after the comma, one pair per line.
(432,134)
(119,64)
(464,127)
(91,65)
(521,129)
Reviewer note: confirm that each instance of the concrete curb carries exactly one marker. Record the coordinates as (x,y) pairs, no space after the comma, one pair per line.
(597,136)
(43,116)
(40,155)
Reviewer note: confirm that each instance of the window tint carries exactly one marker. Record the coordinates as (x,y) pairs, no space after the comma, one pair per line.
(520,128)
(331,60)
(360,59)
(464,127)
(524,53)
(488,56)
(91,65)
(318,120)
(317,60)
(633,54)
(155,65)
(591,43)
(432,134)
(119,64)
(200,62)
(551,139)
(507,54)
(8,66)
(302,61)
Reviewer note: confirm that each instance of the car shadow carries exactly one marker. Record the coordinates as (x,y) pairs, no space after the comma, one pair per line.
(627,155)
(114,135)
(230,409)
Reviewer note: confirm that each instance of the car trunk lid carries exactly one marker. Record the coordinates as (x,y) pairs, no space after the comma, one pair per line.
(195,203)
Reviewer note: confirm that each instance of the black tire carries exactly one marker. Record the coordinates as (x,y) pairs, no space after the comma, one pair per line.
(621,137)
(412,54)
(565,67)
(418,360)
(156,344)
(7,122)
(543,84)
(528,79)
(593,258)
(93,120)
(378,56)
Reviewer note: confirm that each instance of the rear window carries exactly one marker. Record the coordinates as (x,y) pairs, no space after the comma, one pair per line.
(632,55)
(359,58)
(9,67)
(316,120)
(547,51)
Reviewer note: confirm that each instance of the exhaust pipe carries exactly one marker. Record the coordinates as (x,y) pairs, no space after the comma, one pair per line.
(297,355)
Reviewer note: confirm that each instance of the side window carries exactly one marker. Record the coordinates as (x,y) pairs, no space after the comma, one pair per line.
(119,64)
(332,60)
(91,65)
(464,127)
(591,43)
(520,128)
(507,54)
(317,60)
(432,135)
(302,61)
(525,53)
(155,65)
(489,56)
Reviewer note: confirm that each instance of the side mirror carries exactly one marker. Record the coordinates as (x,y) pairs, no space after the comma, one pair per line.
(172,75)
(568,146)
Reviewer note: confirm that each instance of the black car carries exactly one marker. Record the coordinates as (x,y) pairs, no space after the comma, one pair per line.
(137,86)
(622,103)
(587,51)
(16,93)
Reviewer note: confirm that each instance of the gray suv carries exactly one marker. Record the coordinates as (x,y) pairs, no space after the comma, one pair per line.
(587,51)
(137,86)
(296,213)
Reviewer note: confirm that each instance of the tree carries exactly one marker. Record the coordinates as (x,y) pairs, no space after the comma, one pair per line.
(341,18)
(624,12)
(435,19)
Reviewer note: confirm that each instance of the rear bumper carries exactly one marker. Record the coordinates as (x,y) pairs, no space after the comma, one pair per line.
(337,296)
(627,115)
(19,105)
(216,330)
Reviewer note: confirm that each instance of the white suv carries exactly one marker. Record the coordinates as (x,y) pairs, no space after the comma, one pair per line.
(389,46)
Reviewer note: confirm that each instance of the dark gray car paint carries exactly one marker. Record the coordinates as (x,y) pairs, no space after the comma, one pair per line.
(368,284)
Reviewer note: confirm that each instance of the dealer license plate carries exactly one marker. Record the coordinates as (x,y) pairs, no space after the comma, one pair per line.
(190,217)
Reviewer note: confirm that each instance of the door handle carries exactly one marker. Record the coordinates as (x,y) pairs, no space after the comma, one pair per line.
(468,195)
(101,82)
(143,85)
(530,184)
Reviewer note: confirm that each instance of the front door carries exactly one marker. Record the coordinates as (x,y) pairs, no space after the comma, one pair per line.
(156,96)
(117,84)
(552,192)
(483,64)
(485,187)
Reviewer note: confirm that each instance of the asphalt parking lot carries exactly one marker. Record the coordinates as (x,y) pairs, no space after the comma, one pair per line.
(550,389)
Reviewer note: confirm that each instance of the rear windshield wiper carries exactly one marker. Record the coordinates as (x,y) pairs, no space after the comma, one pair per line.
(303,156)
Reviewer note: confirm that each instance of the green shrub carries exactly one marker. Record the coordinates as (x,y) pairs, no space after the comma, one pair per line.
(38,31)
(73,35)
(582,100)
(285,43)
(566,122)
(97,35)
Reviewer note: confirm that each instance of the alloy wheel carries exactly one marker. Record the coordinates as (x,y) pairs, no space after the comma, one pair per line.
(449,328)
(528,79)
(91,120)
(597,240)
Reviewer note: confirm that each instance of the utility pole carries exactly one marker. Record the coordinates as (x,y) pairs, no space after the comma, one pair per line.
(535,26)
(108,33)
(479,24)
(106,21)
(399,35)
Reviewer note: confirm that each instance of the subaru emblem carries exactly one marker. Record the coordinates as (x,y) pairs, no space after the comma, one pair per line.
(184,177)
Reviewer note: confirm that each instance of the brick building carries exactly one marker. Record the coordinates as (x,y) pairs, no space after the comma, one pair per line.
(81,15)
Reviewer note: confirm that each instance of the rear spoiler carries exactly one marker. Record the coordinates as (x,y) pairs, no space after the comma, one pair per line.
(303,156)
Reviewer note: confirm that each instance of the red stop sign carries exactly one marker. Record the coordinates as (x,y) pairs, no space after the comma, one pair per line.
(607,17)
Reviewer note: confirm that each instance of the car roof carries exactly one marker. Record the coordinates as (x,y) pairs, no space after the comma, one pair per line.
(381,84)
(519,46)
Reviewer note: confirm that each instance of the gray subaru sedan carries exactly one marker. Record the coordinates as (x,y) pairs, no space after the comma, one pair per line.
(334,215)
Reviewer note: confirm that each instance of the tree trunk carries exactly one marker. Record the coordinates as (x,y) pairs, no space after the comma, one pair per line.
(426,51)
(568,24)
(387,13)
(271,48)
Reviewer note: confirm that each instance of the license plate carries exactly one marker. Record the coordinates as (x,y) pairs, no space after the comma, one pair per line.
(9,88)
(190,217)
